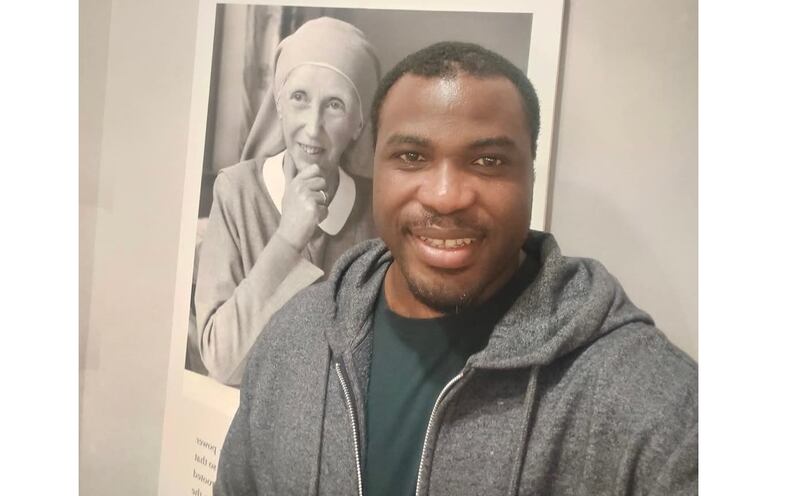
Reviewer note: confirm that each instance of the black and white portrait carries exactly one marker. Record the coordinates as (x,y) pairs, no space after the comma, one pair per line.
(286,169)
(278,174)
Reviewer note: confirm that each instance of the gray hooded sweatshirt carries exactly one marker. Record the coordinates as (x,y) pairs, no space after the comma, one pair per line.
(576,393)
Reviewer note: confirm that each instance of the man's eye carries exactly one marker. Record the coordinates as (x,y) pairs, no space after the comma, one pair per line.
(489,162)
(411,157)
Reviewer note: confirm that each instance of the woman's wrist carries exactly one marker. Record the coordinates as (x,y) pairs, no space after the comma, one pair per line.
(292,239)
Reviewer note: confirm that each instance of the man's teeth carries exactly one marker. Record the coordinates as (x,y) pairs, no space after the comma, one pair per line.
(447,243)
(311,150)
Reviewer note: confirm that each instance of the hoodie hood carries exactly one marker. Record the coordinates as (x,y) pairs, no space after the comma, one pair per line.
(570,303)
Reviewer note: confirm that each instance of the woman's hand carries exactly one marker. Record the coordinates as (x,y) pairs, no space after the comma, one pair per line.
(304,206)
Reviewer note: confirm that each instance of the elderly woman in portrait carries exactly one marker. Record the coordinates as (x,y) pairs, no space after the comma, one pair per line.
(278,223)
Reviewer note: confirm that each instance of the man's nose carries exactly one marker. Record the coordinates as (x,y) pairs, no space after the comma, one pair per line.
(446,188)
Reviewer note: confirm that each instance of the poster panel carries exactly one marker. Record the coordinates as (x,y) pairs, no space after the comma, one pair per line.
(233,129)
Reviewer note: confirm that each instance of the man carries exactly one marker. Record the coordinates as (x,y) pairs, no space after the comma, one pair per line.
(461,353)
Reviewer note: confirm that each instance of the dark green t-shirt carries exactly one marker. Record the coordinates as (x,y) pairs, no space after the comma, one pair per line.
(412,360)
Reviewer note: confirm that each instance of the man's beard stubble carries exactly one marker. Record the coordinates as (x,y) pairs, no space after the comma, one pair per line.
(436,296)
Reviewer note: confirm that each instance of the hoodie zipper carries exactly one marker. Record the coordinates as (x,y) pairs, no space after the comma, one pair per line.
(353,424)
(434,411)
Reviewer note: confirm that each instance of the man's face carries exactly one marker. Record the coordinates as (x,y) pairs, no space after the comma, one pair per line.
(453,188)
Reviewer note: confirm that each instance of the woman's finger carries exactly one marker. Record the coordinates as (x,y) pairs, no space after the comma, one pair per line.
(310,171)
(313,183)
(312,197)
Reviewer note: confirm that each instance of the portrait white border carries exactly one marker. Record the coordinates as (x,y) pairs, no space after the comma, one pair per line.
(544,62)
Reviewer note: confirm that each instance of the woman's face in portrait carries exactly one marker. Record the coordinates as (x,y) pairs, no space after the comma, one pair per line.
(320,116)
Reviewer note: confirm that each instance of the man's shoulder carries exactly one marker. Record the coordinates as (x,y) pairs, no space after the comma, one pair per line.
(640,376)
(299,321)
(629,355)
(641,342)
(293,340)
(629,402)
(302,327)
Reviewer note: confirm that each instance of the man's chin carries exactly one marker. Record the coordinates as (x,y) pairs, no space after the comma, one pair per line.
(441,297)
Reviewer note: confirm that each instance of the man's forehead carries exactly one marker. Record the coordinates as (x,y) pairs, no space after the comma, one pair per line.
(418,105)
(448,90)
(451,87)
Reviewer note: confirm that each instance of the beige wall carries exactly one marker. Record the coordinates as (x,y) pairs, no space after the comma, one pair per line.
(625,177)
(94,17)
(624,191)
(137,209)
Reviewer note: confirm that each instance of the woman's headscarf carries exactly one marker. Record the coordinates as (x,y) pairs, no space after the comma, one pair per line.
(330,43)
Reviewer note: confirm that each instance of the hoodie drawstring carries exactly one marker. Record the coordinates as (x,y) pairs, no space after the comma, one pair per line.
(522,447)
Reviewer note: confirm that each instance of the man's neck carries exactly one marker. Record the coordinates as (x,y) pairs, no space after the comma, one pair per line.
(401,300)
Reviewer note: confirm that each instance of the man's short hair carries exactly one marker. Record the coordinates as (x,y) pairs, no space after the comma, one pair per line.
(448,59)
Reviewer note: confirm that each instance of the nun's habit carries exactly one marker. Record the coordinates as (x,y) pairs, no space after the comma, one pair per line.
(245,273)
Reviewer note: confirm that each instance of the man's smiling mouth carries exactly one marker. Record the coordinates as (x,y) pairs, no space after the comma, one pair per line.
(447,243)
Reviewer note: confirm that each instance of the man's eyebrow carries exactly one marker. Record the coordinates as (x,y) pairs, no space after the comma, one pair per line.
(499,141)
(408,139)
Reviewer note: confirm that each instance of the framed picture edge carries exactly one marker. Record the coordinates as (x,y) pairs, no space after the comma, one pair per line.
(544,64)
